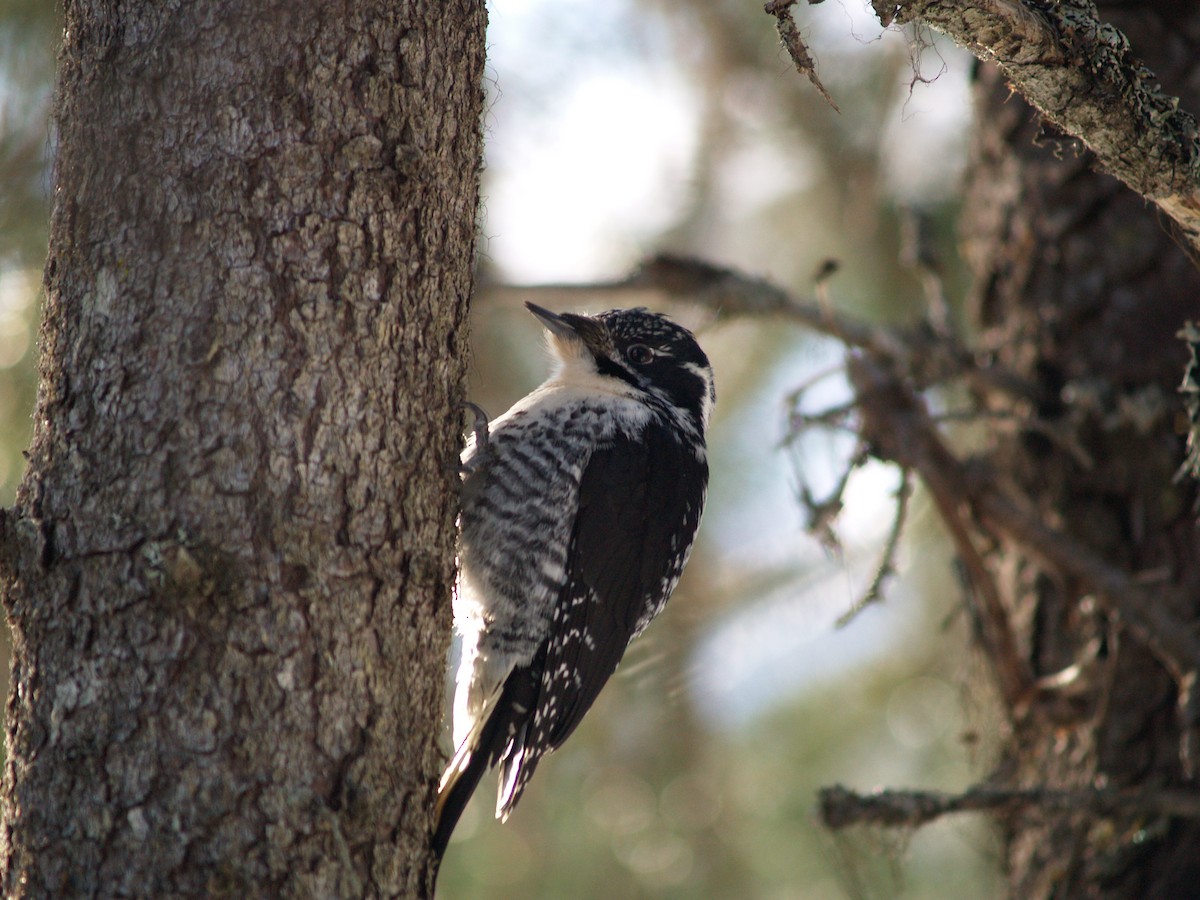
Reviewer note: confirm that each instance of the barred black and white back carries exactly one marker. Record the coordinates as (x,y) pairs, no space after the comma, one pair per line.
(579,510)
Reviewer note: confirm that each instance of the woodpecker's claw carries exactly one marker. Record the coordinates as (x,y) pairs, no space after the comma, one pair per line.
(480,425)
(480,429)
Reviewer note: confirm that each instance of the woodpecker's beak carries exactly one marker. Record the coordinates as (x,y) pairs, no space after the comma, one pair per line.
(568,328)
(559,326)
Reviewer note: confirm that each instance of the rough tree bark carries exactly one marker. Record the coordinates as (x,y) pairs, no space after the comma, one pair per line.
(1080,289)
(229,565)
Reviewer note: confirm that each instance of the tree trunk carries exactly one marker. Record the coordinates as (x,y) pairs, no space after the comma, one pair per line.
(1080,289)
(229,566)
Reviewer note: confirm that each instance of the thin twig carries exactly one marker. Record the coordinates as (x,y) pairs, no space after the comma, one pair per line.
(841,807)
(795,395)
(822,513)
(789,34)
(833,417)
(887,560)
(1056,433)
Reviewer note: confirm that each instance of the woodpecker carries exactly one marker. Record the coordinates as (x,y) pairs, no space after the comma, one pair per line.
(579,508)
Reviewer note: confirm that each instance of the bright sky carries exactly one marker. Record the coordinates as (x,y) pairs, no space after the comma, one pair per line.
(588,162)
(592,131)
(581,200)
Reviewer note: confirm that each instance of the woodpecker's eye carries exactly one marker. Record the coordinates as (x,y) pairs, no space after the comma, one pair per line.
(639,354)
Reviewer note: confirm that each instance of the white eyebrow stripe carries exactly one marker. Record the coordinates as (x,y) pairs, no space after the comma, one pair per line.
(706,402)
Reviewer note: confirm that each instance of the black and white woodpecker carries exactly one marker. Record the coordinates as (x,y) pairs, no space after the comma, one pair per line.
(579,508)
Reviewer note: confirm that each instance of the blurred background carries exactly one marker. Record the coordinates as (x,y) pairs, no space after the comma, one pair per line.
(628,128)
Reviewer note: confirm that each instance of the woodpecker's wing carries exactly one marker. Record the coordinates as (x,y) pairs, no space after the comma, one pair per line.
(639,506)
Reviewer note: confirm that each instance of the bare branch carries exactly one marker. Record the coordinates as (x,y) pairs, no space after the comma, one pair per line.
(694,282)
(841,807)
(897,423)
(1081,74)
(1150,616)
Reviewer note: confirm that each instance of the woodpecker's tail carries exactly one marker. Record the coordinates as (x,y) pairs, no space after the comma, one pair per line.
(483,746)
(458,784)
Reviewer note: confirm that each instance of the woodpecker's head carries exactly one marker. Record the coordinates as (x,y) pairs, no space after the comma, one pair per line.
(642,350)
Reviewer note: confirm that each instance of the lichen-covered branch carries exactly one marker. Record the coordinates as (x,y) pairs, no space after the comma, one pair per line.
(1081,73)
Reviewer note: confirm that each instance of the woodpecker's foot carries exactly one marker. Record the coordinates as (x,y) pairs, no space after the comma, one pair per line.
(480,425)
(480,429)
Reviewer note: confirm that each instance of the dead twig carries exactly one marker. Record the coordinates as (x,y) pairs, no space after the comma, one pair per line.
(887,560)
(789,34)
(1147,615)
(841,807)
(692,282)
